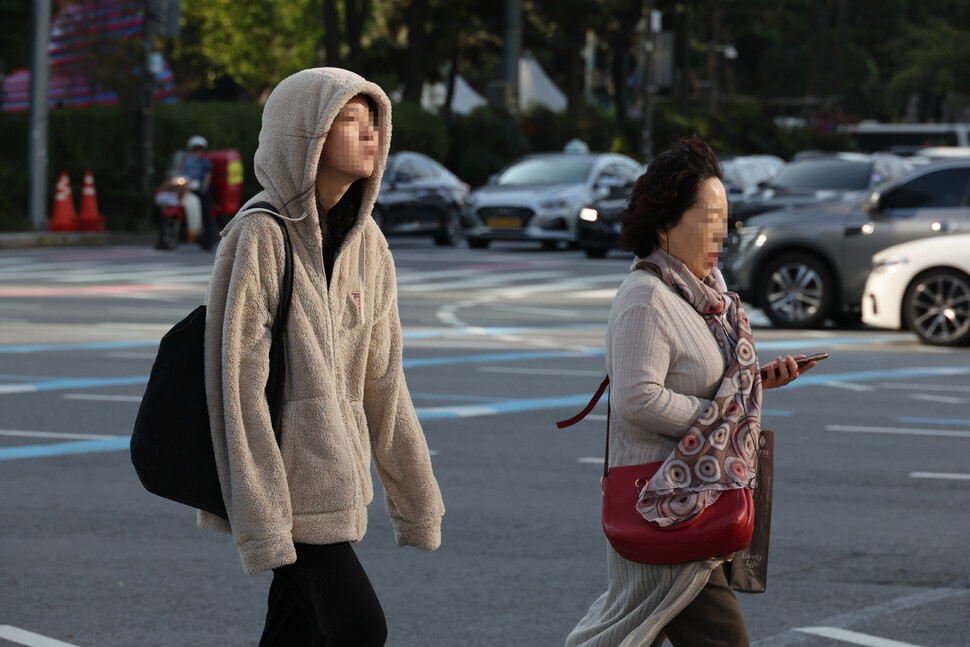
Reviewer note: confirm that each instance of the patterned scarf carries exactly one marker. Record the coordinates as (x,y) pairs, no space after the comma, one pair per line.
(719,451)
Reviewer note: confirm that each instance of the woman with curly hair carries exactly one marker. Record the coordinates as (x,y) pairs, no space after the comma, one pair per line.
(685,385)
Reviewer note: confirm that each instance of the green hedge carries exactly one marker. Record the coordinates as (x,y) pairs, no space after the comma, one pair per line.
(104,140)
(473,146)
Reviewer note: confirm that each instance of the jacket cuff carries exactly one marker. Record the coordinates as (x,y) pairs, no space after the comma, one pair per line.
(426,536)
(266,554)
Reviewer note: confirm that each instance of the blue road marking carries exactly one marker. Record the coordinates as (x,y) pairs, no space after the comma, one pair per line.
(56,384)
(788,345)
(59,449)
(459,398)
(499,357)
(936,421)
(112,345)
(862,376)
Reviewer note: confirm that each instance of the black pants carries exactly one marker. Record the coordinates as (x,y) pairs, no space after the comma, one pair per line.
(712,619)
(324,599)
(209,235)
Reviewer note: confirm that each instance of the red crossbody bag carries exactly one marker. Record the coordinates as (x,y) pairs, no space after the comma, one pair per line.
(724,527)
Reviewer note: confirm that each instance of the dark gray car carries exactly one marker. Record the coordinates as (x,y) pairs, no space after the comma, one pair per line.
(803,266)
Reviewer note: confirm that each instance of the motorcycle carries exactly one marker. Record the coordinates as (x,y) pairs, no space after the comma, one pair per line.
(180,209)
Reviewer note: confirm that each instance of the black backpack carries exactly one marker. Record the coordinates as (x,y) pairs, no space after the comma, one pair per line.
(171,446)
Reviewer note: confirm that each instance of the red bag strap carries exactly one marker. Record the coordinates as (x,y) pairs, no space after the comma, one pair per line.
(562,424)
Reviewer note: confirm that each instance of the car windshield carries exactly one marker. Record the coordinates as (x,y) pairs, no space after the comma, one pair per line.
(846,175)
(836,174)
(559,170)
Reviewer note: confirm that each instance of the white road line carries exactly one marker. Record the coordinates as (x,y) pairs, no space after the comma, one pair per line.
(121,355)
(927,397)
(463,411)
(900,430)
(24,637)
(51,434)
(854,637)
(554,312)
(596,417)
(536,371)
(590,459)
(102,398)
(849,386)
(792,637)
(939,475)
(924,387)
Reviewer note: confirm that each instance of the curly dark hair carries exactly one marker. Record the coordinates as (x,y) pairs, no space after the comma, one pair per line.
(662,194)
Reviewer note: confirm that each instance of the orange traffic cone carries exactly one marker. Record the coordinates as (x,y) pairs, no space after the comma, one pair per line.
(90,218)
(64,218)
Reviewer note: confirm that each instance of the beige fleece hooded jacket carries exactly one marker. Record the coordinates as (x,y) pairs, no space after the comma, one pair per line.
(346,400)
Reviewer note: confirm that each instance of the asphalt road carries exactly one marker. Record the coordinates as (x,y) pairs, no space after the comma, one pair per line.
(870,537)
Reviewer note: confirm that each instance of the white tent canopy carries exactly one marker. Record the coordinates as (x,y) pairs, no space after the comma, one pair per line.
(464,101)
(535,88)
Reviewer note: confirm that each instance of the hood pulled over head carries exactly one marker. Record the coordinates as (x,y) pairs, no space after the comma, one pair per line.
(296,120)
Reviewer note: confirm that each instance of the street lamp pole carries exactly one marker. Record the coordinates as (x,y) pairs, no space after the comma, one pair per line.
(146,169)
(37,144)
(645,52)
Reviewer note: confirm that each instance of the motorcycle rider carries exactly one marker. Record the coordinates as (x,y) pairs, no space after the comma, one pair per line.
(198,169)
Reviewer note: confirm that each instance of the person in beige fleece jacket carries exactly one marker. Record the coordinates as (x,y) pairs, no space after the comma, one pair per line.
(295,507)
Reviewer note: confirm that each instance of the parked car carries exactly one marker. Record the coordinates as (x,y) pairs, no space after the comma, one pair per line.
(803,266)
(539,197)
(420,196)
(598,228)
(923,286)
(819,179)
(744,174)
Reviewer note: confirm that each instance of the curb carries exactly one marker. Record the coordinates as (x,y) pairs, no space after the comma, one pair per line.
(44,239)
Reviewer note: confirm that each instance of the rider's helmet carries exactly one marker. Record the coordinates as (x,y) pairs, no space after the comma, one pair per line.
(197,141)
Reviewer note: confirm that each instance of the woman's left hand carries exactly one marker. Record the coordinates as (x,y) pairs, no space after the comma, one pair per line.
(782,371)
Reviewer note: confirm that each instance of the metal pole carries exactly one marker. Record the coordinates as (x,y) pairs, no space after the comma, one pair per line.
(37,144)
(645,29)
(145,117)
(511,52)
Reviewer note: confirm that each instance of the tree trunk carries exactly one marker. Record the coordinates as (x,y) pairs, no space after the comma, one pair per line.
(575,39)
(331,34)
(414,60)
(356,12)
(452,76)
(619,46)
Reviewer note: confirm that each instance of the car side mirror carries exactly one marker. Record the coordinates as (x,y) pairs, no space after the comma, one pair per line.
(402,178)
(872,205)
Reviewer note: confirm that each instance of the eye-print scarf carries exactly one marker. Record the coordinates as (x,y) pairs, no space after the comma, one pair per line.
(719,451)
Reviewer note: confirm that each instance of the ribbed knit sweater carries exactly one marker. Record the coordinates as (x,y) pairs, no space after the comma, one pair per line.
(664,367)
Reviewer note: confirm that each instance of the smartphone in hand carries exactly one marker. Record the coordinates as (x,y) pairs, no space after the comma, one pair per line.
(818,357)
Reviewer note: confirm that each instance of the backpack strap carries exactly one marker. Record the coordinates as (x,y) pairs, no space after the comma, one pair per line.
(276,380)
(562,424)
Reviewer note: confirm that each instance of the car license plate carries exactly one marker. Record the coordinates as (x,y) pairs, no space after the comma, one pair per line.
(504,223)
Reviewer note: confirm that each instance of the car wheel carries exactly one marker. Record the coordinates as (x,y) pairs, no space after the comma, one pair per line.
(478,243)
(449,231)
(797,291)
(595,252)
(378,215)
(550,245)
(937,307)
(168,235)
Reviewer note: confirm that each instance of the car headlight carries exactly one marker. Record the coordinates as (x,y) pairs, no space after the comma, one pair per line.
(589,215)
(554,205)
(749,235)
(889,264)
